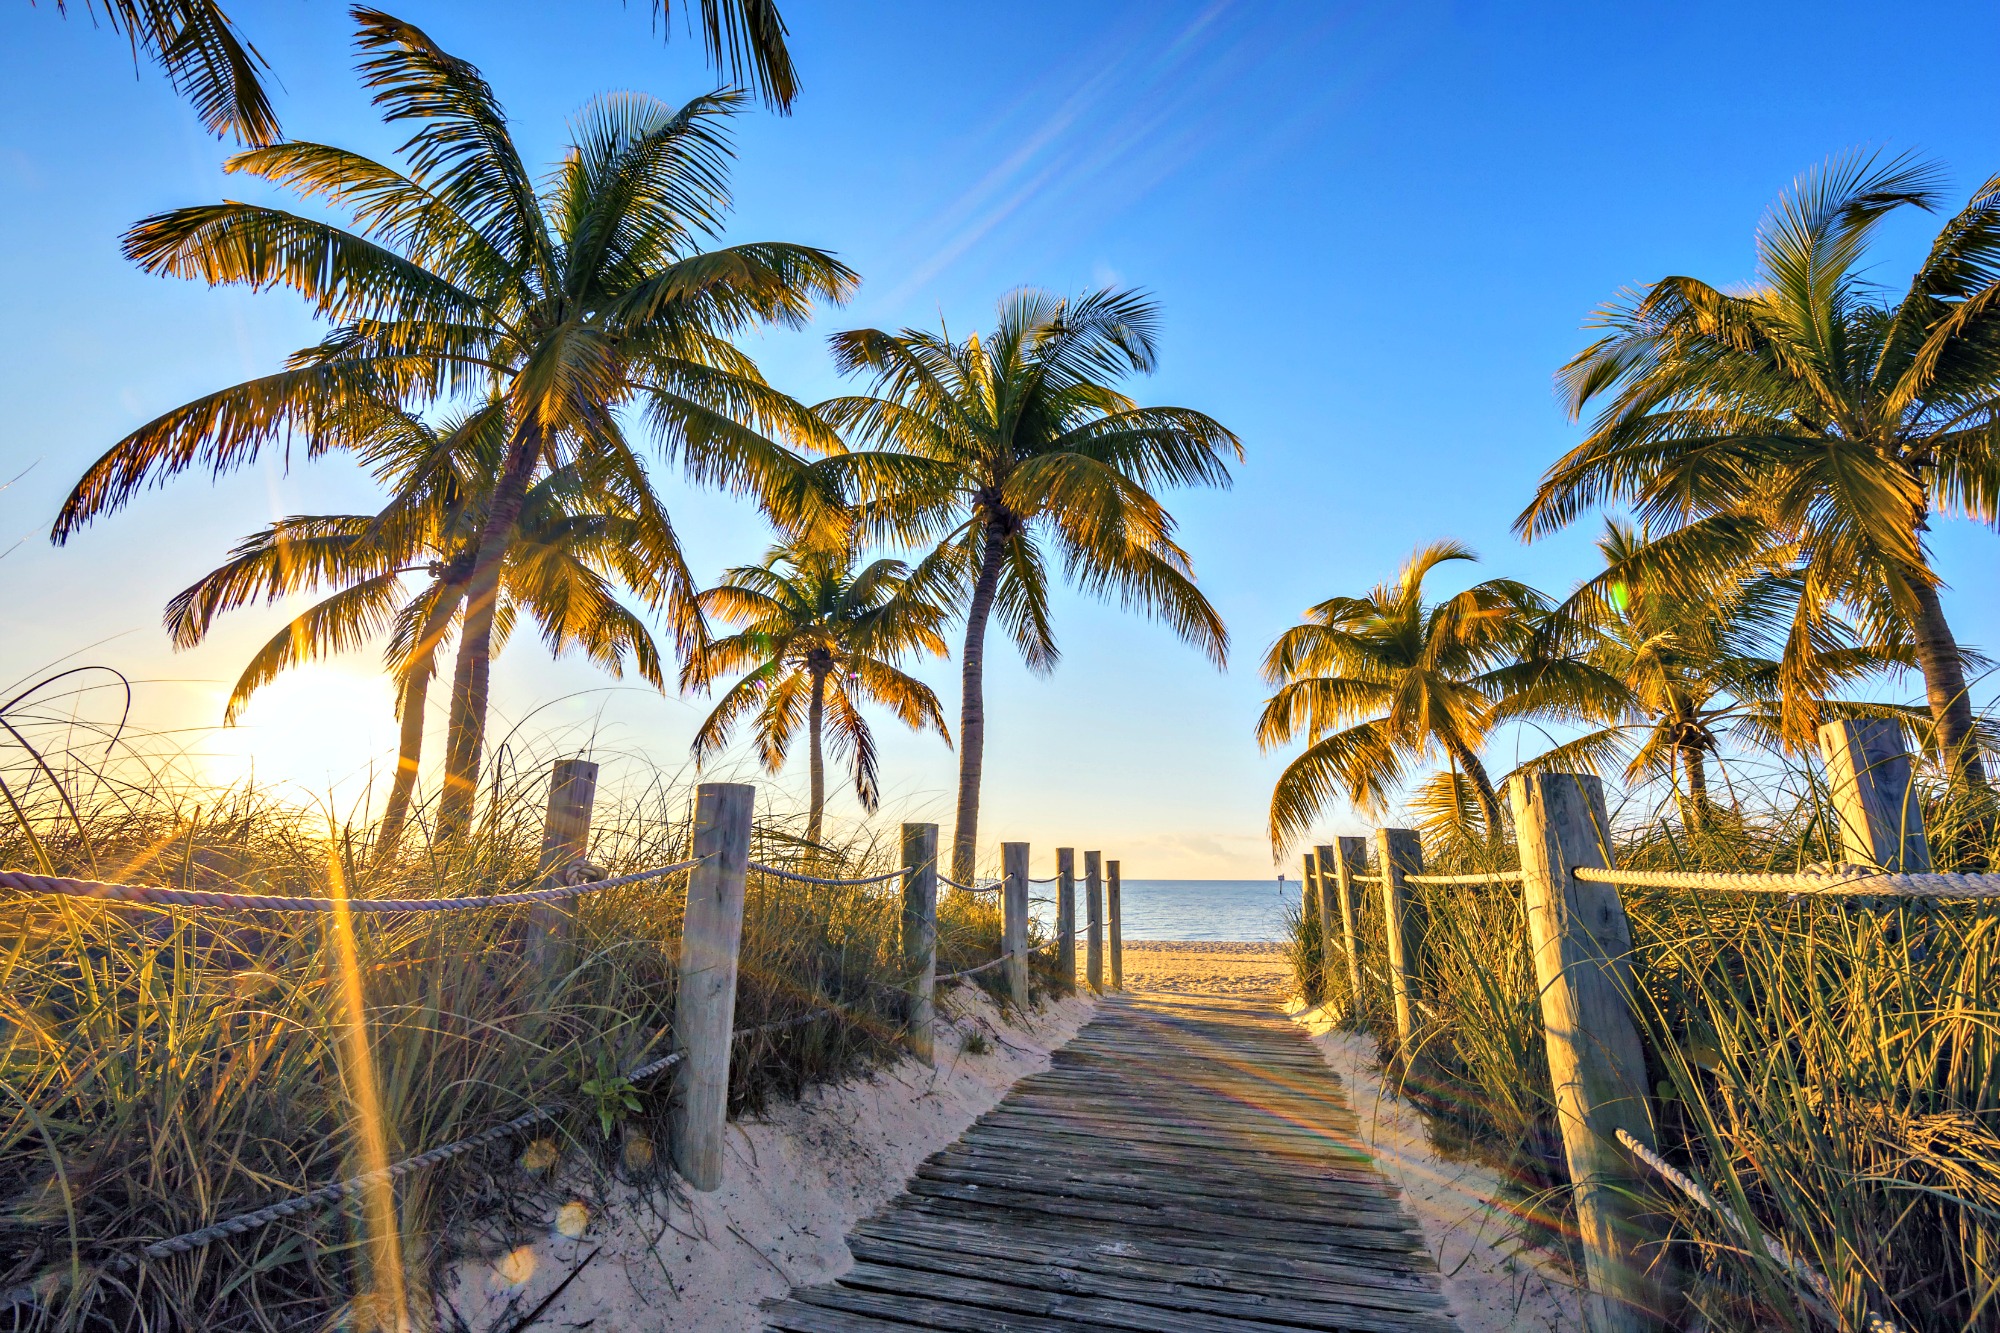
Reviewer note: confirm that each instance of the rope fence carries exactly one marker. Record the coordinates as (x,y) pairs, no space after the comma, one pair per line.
(154,896)
(1860,882)
(1592,1038)
(797,878)
(991,886)
(722,824)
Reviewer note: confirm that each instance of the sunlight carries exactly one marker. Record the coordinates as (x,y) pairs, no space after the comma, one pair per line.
(317,732)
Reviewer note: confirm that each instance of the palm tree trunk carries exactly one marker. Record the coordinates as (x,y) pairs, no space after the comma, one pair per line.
(468,704)
(1696,764)
(410,750)
(409,754)
(972,707)
(1482,784)
(815,726)
(1944,687)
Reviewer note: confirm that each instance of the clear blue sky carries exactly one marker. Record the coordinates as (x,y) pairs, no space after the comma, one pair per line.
(1374,231)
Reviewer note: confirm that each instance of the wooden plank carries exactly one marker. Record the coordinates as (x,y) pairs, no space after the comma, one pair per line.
(1184,1166)
(1302,1306)
(1095,1251)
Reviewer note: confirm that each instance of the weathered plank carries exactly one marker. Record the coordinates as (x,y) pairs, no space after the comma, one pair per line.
(1186,1165)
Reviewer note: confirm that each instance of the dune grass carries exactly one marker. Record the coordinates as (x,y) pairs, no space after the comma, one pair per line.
(1831,1069)
(164,1068)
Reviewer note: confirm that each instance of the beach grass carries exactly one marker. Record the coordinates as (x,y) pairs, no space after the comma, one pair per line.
(1831,1070)
(167,1067)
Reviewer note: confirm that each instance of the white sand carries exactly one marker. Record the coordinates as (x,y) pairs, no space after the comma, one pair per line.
(1207,967)
(795,1182)
(1493,1281)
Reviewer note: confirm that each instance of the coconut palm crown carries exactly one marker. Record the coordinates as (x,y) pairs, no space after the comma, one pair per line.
(569,556)
(572,302)
(211,64)
(1378,683)
(1701,665)
(1003,453)
(819,641)
(1811,418)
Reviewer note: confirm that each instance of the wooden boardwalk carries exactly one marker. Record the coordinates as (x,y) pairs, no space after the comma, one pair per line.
(1187,1165)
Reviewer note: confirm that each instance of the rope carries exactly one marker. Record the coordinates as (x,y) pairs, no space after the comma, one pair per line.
(261,902)
(1366,879)
(983,888)
(763,869)
(972,971)
(1860,882)
(1773,1247)
(1496,877)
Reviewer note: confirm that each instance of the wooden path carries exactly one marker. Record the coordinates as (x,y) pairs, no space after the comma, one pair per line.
(1186,1166)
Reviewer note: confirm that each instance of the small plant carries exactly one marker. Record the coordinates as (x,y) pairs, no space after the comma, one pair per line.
(974,1043)
(613,1095)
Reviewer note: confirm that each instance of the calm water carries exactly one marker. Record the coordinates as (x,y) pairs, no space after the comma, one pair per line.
(1193,909)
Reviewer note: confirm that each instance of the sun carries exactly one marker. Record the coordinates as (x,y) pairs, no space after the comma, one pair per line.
(314,736)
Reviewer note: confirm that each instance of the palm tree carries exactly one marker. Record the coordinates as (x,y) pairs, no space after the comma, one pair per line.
(1697,664)
(818,641)
(997,452)
(570,304)
(570,551)
(208,62)
(1380,682)
(1811,419)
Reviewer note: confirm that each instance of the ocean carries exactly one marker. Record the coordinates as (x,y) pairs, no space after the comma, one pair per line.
(1191,909)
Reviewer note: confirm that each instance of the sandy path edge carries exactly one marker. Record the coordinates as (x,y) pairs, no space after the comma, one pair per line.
(796,1181)
(1493,1282)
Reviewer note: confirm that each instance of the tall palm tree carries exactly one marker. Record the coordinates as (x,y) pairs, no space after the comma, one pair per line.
(1001,451)
(208,62)
(572,303)
(818,641)
(1812,416)
(1699,664)
(1378,683)
(570,551)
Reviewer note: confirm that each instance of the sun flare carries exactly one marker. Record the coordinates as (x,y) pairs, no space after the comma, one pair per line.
(317,733)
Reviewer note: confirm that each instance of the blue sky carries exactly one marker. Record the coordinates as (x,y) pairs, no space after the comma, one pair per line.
(1374,231)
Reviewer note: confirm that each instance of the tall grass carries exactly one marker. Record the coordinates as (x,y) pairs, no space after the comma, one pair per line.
(163,1068)
(1831,1069)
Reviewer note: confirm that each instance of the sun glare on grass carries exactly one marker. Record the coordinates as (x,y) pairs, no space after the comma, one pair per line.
(315,734)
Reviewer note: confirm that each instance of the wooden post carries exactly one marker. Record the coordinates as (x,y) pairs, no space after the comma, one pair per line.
(705,1010)
(1117,925)
(1582,949)
(1350,858)
(1401,853)
(1868,774)
(1321,865)
(920,845)
(565,842)
(1312,912)
(1014,918)
(1066,918)
(1093,897)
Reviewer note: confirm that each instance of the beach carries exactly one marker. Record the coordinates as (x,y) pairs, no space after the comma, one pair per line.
(1249,969)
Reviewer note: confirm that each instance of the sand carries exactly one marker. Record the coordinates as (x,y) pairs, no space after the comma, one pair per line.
(796,1180)
(1207,967)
